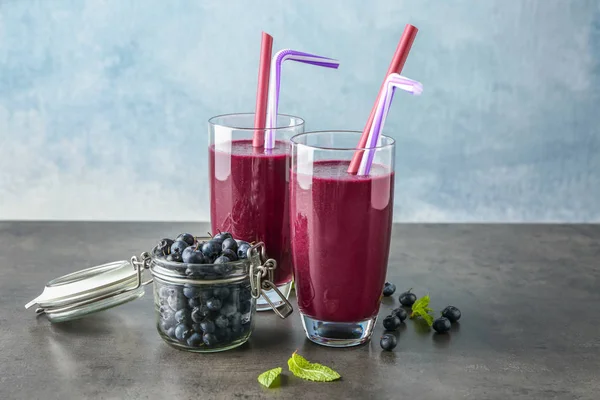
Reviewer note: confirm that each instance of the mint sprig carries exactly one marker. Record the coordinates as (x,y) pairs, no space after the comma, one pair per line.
(304,369)
(269,377)
(421,309)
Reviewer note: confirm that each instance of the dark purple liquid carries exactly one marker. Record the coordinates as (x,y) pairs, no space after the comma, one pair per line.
(250,199)
(341,227)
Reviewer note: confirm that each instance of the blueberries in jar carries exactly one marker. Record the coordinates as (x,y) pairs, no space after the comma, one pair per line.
(221,292)
(171,332)
(191,255)
(223,235)
(190,291)
(230,254)
(195,340)
(206,294)
(178,246)
(195,302)
(242,251)
(197,328)
(174,257)
(211,250)
(207,326)
(222,266)
(209,339)
(163,247)
(200,313)
(229,244)
(213,304)
(223,335)
(183,316)
(222,321)
(186,237)
(245,307)
(182,332)
(228,309)
(176,301)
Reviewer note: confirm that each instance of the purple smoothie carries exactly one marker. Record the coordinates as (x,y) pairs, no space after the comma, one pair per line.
(250,199)
(341,227)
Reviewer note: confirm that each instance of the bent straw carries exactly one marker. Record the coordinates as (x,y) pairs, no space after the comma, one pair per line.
(262,91)
(275,84)
(406,41)
(393,82)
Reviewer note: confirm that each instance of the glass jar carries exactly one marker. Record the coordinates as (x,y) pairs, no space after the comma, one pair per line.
(198,307)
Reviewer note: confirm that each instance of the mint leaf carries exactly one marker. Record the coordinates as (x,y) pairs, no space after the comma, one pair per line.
(267,378)
(421,309)
(304,369)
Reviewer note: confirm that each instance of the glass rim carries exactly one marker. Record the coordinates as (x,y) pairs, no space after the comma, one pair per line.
(211,121)
(294,140)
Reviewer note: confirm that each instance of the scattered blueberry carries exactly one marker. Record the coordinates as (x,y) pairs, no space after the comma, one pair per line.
(242,251)
(191,255)
(391,323)
(182,332)
(178,246)
(213,304)
(186,237)
(389,289)
(229,244)
(207,326)
(442,325)
(407,298)
(388,342)
(452,313)
(400,313)
(230,254)
(211,250)
(209,339)
(222,321)
(174,257)
(195,340)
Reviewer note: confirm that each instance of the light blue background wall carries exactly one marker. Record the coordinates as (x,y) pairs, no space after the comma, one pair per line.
(103,104)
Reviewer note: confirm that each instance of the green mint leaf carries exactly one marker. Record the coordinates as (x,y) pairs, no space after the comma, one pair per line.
(304,369)
(267,378)
(421,309)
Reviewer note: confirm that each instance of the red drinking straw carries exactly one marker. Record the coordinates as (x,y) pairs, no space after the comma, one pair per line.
(262,92)
(406,41)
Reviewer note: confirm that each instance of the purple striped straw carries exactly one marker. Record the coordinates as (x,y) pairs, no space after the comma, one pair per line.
(392,82)
(275,84)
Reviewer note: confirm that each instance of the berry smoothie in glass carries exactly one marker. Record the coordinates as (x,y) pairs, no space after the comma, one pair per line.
(340,231)
(249,189)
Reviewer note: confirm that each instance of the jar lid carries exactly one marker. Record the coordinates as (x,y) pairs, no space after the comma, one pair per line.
(90,290)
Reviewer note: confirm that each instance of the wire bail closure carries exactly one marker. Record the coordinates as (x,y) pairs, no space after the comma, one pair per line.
(259,285)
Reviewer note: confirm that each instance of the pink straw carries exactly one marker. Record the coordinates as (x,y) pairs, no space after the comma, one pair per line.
(392,82)
(275,85)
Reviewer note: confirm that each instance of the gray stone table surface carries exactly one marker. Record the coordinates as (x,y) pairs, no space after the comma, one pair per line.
(530,297)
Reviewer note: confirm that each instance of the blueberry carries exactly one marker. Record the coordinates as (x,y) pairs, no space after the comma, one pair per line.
(166,314)
(223,335)
(207,326)
(190,291)
(194,272)
(166,325)
(186,237)
(183,316)
(452,313)
(442,325)
(182,332)
(222,266)
(389,289)
(195,302)
(242,251)
(245,307)
(230,254)
(171,332)
(400,313)
(228,309)
(229,244)
(176,301)
(178,246)
(206,294)
(245,294)
(163,247)
(209,339)
(174,257)
(407,298)
(388,342)
(235,319)
(213,304)
(199,313)
(197,328)
(222,321)
(391,323)
(192,256)
(222,236)
(221,292)
(195,340)
(211,250)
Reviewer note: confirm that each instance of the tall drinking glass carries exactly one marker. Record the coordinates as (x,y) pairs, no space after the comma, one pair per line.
(249,193)
(341,227)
